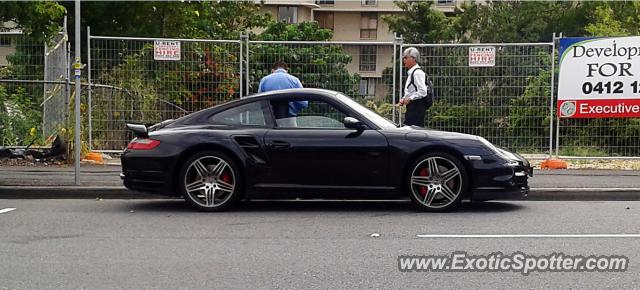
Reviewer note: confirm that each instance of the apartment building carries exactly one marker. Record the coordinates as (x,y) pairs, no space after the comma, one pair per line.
(352,21)
(7,42)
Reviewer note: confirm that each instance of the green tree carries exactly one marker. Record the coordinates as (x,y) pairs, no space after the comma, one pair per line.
(316,65)
(152,91)
(613,19)
(39,20)
(20,109)
(421,23)
(519,21)
(172,19)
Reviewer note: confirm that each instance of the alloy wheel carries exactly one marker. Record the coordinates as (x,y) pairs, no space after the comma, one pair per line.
(209,181)
(436,182)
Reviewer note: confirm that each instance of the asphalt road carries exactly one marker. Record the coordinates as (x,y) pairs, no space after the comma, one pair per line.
(110,244)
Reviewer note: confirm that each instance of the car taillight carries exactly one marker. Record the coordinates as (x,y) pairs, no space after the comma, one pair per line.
(143,144)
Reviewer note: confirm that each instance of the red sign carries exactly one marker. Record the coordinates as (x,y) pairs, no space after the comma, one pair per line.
(600,108)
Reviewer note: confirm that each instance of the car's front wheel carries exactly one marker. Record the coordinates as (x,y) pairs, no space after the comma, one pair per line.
(210,181)
(437,182)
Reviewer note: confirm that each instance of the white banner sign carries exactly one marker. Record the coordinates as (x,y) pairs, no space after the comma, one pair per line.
(482,56)
(599,77)
(166,50)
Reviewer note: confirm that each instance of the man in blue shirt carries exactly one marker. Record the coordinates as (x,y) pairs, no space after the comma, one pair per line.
(279,79)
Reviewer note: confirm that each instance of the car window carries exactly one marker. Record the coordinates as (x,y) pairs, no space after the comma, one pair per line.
(307,114)
(245,115)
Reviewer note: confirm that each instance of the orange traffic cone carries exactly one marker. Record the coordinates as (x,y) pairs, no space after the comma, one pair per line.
(553,164)
(95,157)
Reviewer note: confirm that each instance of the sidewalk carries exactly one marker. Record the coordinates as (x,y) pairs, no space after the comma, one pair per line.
(103,181)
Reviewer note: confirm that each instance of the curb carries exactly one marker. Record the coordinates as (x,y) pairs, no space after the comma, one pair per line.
(74,192)
(120,192)
(584,194)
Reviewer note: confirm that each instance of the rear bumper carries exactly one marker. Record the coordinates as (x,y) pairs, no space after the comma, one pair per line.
(146,181)
(148,171)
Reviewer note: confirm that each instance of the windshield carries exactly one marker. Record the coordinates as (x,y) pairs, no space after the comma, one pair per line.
(380,121)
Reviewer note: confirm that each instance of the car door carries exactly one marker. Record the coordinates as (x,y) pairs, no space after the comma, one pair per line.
(248,124)
(314,149)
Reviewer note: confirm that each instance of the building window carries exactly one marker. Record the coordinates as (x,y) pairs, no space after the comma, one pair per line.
(321,2)
(444,2)
(368,25)
(288,14)
(5,40)
(369,2)
(368,58)
(324,19)
(368,87)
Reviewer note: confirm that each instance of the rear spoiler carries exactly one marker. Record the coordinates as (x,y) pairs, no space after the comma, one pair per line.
(139,130)
(160,125)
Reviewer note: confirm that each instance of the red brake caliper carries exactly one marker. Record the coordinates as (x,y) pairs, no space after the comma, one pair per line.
(226,177)
(423,189)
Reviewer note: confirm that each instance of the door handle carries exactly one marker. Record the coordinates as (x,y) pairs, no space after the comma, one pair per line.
(279,145)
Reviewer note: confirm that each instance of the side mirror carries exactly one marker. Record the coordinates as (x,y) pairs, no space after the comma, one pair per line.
(353,123)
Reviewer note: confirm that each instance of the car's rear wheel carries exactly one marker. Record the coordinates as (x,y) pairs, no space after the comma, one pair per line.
(210,181)
(437,182)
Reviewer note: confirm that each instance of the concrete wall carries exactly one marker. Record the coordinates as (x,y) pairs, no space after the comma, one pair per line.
(383,60)
(304,11)
(6,50)
(346,27)
(357,5)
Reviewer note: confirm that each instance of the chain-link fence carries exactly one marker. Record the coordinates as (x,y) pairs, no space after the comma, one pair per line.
(508,103)
(56,86)
(361,70)
(611,137)
(33,94)
(130,85)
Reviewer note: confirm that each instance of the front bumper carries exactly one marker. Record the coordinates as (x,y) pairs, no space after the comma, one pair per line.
(496,179)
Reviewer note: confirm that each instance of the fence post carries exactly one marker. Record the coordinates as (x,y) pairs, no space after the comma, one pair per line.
(240,58)
(557,115)
(89,89)
(67,76)
(393,83)
(553,74)
(77,71)
(400,41)
(44,90)
(247,80)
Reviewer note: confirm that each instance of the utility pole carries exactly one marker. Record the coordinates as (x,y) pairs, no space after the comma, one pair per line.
(77,72)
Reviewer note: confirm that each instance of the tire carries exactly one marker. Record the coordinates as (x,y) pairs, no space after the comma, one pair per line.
(210,181)
(439,192)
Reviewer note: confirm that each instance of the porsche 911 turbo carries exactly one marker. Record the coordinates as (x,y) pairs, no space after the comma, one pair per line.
(255,147)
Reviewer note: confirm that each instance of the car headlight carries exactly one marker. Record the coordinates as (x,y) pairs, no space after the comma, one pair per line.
(513,163)
(510,157)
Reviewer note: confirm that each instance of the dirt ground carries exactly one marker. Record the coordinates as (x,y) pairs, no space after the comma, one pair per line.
(630,164)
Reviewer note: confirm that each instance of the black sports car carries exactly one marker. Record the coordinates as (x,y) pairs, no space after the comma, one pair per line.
(259,147)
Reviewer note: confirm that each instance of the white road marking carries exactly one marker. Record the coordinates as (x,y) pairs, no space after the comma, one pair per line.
(534,236)
(6,210)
